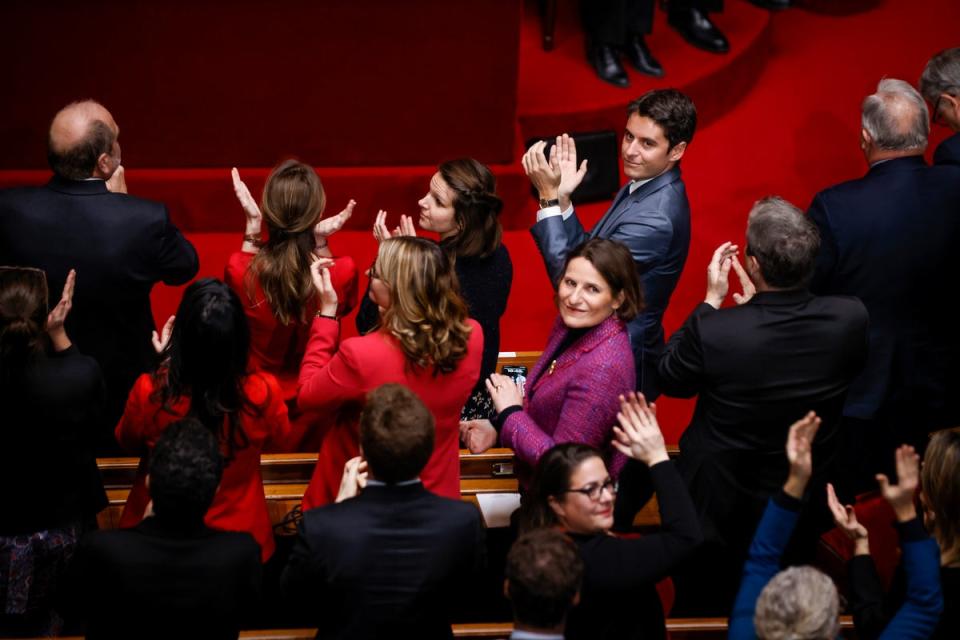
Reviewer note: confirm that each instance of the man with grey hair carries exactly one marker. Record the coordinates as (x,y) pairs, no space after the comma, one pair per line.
(756,367)
(940,85)
(889,238)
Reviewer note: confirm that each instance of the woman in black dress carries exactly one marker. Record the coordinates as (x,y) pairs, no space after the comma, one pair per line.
(462,207)
(572,490)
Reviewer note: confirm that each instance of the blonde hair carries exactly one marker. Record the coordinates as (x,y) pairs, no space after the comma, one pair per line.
(293,200)
(940,479)
(426,315)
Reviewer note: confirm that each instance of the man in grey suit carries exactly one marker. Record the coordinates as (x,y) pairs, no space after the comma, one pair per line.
(650,214)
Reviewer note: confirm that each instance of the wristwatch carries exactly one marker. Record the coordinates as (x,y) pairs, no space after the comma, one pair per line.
(549,203)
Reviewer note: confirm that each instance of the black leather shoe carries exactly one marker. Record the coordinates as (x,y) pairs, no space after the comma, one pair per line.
(606,62)
(772,5)
(639,55)
(697,29)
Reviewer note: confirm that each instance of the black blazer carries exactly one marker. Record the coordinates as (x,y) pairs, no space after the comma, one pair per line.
(890,238)
(948,151)
(120,246)
(388,563)
(758,368)
(154,582)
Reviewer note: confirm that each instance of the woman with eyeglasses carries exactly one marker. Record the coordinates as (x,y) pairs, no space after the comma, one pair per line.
(425,342)
(571,395)
(462,207)
(572,490)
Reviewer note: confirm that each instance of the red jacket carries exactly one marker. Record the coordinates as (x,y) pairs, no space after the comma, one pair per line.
(334,382)
(239,504)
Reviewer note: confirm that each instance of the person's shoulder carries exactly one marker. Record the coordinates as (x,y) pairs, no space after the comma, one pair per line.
(455,512)
(850,307)
(237,543)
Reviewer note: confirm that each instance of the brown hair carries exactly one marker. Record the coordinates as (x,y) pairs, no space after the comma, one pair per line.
(23,318)
(544,571)
(293,200)
(672,110)
(476,208)
(426,315)
(614,262)
(552,478)
(396,433)
(941,491)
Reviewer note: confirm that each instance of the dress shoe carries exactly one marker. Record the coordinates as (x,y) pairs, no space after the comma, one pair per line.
(606,62)
(697,29)
(639,55)
(772,5)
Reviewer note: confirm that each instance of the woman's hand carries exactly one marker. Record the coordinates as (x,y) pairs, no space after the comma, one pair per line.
(477,435)
(504,392)
(56,318)
(846,520)
(249,205)
(354,479)
(900,496)
(800,454)
(545,176)
(638,435)
(328,227)
(320,274)
(162,339)
(381,232)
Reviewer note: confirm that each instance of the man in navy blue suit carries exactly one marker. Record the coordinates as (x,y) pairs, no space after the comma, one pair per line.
(890,238)
(650,214)
(940,85)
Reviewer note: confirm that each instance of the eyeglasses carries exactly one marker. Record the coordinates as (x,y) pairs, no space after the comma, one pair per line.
(372,271)
(935,116)
(594,491)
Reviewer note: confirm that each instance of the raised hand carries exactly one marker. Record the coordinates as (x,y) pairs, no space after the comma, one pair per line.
(247,203)
(638,435)
(477,435)
(117,183)
(900,496)
(565,152)
(718,274)
(162,339)
(800,453)
(354,478)
(329,226)
(846,519)
(56,317)
(503,391)
(746,284)
(544,175)
(406,226)
(320,274)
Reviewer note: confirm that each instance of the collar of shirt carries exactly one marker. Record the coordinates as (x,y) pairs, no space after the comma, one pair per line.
(534,635)
(636,184)
(405,483)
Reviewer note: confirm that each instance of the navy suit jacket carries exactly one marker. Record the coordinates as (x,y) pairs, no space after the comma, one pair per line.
(120,246)
(948,151)
(391,562)
(890,238)
(654,223)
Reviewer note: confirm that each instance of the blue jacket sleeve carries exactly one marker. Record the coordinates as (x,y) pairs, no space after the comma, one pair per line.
(918,616)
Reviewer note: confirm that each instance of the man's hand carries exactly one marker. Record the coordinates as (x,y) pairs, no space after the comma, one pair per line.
(320,274)
(354,479)
(846,520)
(746,284)
(800,454)
(56,318)
(503,391)
(544,175)
(162,339)
(638,435)
(118,181)
(328,227)
(718,273)
(477,435)
(248,204)
(565,152)
(900,496)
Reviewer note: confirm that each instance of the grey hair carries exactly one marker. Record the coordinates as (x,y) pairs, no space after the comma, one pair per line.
(799,603)
(896,117)
(941,75)
(783,240)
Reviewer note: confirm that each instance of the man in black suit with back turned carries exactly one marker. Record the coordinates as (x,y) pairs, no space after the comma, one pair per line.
(890,238)
(119,244)
(757,368)
(395,560)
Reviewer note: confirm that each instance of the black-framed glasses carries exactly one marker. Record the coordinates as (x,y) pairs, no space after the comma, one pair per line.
(594,491)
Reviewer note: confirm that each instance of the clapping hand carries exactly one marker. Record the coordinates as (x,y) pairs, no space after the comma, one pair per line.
(354,479)
(477,435)
(56,317)
(718,276)
(545,176)
(381,232)
(162,339)
(247,203)
(504,391)
(328,227)
(846,519)
(638,435)
(564,152)
(900,496)
(320,274)
(800,454)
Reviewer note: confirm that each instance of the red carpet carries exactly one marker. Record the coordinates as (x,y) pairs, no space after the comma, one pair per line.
(781,115)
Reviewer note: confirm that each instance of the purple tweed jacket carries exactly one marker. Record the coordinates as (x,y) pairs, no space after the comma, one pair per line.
(577,399)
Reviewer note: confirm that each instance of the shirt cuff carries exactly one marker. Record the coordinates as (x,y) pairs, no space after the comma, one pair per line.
(503,415)
(549,212)
(911,530)
(787,502)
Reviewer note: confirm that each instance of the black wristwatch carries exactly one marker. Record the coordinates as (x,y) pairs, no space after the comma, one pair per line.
(549,203)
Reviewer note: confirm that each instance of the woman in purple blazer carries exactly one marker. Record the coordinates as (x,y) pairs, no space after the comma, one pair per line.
(573,393)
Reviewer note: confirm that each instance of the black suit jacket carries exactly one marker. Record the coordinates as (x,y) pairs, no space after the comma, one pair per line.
(758,368)
(120,246)
(388,563)
(948,151)
(155,582)
(890,238)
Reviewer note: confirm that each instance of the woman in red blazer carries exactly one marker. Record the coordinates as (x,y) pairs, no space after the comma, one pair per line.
(272,276)
(204,375)
(425,342)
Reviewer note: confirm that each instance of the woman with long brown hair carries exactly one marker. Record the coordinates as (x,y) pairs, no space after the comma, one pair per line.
(425,341)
